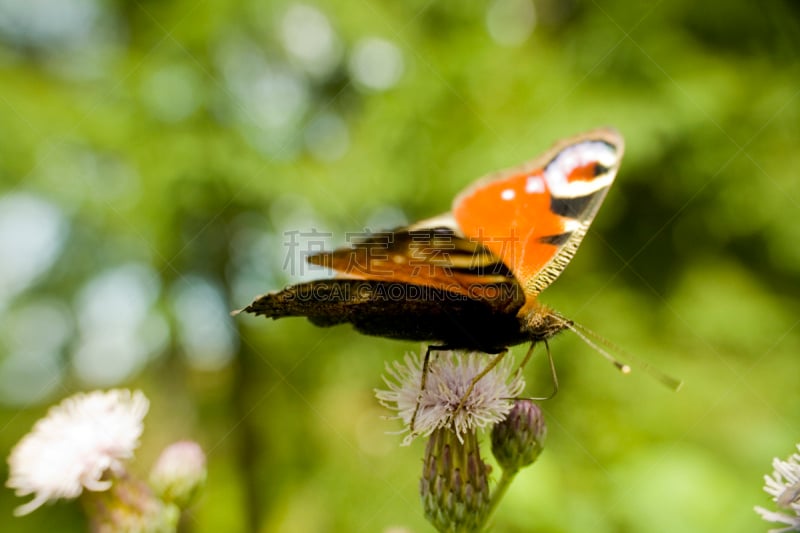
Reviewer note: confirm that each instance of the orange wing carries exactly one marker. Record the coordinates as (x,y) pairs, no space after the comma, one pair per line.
(519,227)
(431,253)
(534,217)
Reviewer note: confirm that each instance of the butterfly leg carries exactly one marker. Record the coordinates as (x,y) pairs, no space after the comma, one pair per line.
(527,358)
(553,373)
(423,380)
(488,368)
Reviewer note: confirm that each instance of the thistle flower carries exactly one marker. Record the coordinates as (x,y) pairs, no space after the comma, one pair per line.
(449,377)
(784,487)
(518,440)
(179,472)
(80,442)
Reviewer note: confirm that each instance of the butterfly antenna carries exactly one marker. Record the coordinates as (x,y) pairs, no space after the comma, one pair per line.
(595,341)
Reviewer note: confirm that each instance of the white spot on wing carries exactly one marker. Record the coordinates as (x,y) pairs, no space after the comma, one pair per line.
(508,194)
(534,184)
(572,225)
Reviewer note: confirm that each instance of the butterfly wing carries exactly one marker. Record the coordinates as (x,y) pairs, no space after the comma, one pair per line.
(432,253)
(403,311)
(534,217)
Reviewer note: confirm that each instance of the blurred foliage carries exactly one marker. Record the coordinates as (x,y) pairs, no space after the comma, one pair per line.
(153,156)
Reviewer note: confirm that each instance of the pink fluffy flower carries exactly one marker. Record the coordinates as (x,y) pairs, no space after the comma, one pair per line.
(80,440)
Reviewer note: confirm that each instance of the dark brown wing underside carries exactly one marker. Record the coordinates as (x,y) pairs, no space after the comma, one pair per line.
(405,311)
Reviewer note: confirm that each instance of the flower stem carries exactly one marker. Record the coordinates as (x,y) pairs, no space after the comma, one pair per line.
(499,492)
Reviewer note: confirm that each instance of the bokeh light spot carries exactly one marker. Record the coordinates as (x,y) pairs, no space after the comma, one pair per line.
(205,331)
(32,233)
(309,38)
(112,310)
(376,64)
(510,22)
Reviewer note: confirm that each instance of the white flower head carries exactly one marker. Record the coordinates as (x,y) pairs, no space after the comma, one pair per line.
(79,440)
(784,487)
(449,377)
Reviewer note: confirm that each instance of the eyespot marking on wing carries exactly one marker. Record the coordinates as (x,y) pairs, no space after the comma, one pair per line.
(581,169)
(536,231)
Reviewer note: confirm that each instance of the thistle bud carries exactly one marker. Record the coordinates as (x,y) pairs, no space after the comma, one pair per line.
(518,440)
(455,482)
(179,473)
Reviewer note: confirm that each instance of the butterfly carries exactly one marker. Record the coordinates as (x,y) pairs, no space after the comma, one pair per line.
(468,279)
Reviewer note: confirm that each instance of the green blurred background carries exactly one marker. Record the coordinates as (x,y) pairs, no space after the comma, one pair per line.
(154,155)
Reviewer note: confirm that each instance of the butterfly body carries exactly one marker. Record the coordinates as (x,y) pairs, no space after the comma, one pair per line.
(468,279)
